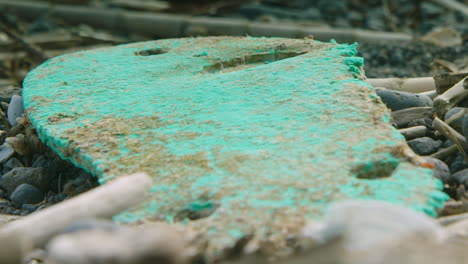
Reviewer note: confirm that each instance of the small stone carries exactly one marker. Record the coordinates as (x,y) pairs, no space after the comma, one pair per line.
(15,109)
(447,143)
(460,177)
(369,227)
(464,125)
(6,151)
(458,164)
(29,207)
(41,162)
(397,100)
(160,244)
(456,124)
(441,170)
(37,177)
(424,145)
(13,163)
(26,194)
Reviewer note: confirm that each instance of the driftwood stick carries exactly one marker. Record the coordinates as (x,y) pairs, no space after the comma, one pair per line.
(413,132)
(453,6)
(102,202)
(432,94)
(445,81)
(446,130)
(449,220)
(446,152)
(170,25)
(413,85)
(450,98)
(402,118)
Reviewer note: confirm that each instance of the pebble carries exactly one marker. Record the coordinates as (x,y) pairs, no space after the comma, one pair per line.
(6,151)
(15,109)
(458,164)
(13,163)
(464,126)
(456,124)
(441,170)
(424,145)
(41,162)
(397,100)
(369,227)
(37,177)
(461,177)
(159,244)
(26,194)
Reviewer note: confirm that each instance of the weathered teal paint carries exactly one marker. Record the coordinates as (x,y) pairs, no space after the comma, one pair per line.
(266,132)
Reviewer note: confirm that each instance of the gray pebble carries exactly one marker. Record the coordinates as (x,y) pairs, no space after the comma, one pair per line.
(29,207)
(41,162)
(6,151)
(15,109)
(371,227)
(460,177)
(13,163)
(26,194)
(424,145)
(458,164)
(441,170)
(456,124)
(37,177)
(397,100)
(447,143)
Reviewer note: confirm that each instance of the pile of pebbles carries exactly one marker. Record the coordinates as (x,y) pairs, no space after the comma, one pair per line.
(32,175)
(386,59)
(431,132)
(399,15)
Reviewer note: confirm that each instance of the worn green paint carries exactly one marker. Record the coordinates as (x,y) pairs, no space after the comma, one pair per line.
(265,132)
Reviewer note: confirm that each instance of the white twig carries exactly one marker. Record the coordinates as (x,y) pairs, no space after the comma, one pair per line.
(102,202)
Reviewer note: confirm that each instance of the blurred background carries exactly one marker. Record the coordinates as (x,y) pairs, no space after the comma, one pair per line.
(397,38)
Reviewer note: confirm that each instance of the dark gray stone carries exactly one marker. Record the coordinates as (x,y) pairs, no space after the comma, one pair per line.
(6,151)
(456,124)
(41,162)
(397,100)
(441,170)
(38,177)
(447,143)
(13,163)
(458,164)
(464,126)
(460,177)
(424,145)
(15,109)
(26,194)
(29,207)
